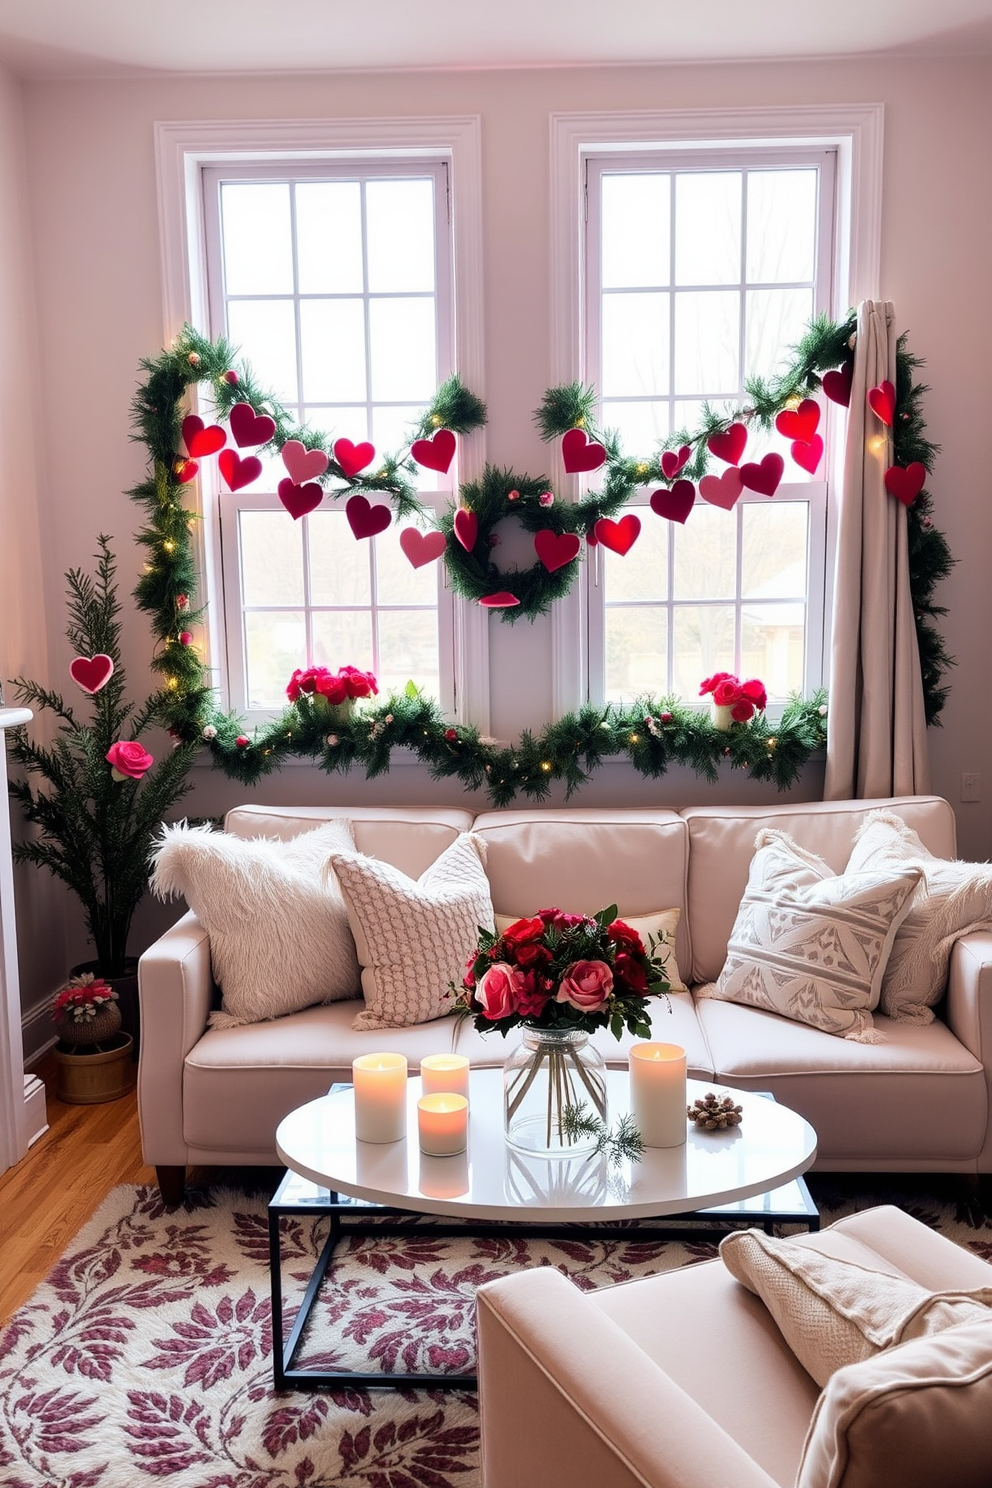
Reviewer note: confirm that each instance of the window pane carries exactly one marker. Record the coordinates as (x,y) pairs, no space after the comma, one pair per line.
(774,550)
(704,643)
(339,563)
(275,645)
(708,227)
(343,638)
(636,650)
(706,554)
(403,343)
(641,426)
(329,237)
(781,226)
(393,428)
(409,650)
(401,235)
(258,243)
(635,344)
(265,332)
(332,343)
(707,343)
(271,558)
(772,646)
(776,321)
(643,572)
(636,221)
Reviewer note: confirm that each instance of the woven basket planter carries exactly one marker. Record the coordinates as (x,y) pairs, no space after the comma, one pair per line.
(91,1030)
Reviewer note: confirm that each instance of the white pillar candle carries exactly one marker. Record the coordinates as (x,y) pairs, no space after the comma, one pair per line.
(657,1093)
(443,1124)
(440,1073)
(380,1097)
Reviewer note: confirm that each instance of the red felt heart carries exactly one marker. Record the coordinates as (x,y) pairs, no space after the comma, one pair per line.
(91,672)
(353,457)
(799,423)
(303,464)
(466,525)
(672,461)
(555,549)
(620,536)
(675,504)
(504,600)
(436,453)
(882,402)
(422,547)
(722,490)
(579,452)
(764,477)
(299,499)
(808,453)
(906,483)
(185,471)
(238,472)
(249,427)
(364,519)
(837,385)
(728,445)
(201,441)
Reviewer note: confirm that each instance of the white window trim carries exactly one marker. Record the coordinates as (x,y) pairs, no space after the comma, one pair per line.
(183,148)
(855,131)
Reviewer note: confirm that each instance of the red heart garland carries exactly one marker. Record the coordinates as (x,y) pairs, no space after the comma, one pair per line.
(238,472)
(728,445)
(579,452)
(675,504)
(799,423)
(906,483)
(422,547)
(303,464)
(503,600)
(620,536)
(298,499)
(436,453)
(764,477)
(556,549)
(200,441)
(466,525)
(837,385)
(364,519)
(882,402)
(353,457)
(185,470)
(672,461)
(808,453)
(249,427)
(722,490)
(91,672)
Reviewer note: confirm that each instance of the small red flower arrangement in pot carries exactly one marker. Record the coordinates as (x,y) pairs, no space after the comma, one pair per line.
(86,1011)
(332,694)
(733,701)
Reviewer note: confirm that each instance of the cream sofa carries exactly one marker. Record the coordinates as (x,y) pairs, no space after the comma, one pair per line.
(918,1101)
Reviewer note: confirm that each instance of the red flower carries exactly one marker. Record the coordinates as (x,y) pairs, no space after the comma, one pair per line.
(755,692)
(727,692)
(522,931)
(630,973)
(710,683)
(626,938)
(498,992)
(532,954)
(586,985)
(331,687)
(127,760)
(742,710)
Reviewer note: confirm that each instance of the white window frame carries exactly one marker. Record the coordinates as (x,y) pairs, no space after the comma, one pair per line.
(854,131)
(183,151)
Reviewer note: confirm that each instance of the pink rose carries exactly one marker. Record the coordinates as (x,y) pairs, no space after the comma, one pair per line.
(755,692)
(742,710)
(127,760)
(727,692)
(358,684)
(709,683)
(331,687)
(498,991)
(586,985)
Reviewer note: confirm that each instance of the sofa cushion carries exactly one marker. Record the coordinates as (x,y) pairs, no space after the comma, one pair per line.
(409,837)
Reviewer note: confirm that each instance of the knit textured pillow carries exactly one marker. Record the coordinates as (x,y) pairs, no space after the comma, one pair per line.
(812,945)
(413,938)
(953,898)
(278,928)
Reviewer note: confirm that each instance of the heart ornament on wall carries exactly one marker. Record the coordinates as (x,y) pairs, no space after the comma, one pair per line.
(185,470)
(672,461)
(353,457)
(299,499)
(764,476)
(580,453)
(808,453)
(555,549)
(199,440)
(799,423)
(249,427)
(837,384)
(466,528)
(906,483)
(364,519)
(728,444)
(722,490)
(620,536)
(675,504)
(236,471)
(303,464)
(91,672)
(422,547)
(435,453)
(882,402)
(502,600)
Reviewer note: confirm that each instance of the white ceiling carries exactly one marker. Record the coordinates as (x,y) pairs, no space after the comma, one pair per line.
(46,38)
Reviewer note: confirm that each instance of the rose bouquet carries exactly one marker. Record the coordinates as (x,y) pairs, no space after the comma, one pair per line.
(335,688)
(733,701)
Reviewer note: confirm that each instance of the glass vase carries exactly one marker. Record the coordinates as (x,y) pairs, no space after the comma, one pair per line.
(551,1070)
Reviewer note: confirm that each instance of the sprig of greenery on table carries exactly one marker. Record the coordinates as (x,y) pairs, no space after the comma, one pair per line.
(616,1144)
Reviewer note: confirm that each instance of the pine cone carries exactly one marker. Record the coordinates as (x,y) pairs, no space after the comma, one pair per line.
(713,1112)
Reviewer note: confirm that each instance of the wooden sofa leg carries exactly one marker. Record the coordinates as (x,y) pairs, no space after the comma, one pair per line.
(172,1185)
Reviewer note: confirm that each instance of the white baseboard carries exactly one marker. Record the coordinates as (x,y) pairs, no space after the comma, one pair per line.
(36,1110)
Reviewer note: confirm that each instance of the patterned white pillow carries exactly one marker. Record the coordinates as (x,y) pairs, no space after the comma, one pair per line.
(953,898)
(812,945)
(413,938)
(661,926)
(278,928)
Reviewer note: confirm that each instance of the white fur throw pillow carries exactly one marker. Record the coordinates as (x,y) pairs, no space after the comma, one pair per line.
(414,938)
(952,899)
(278,928)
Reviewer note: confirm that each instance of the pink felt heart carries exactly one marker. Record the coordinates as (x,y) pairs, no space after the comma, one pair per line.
(808,453)
(249,427)
(185,470)
(722,490)
(466,526)
(906,483)
(579,452)
(200,441)
(837,385)
(303,464)
(555,549)
(238,472)
(364,519)
(799,423)
(620,536)
(882,402)
(91,672)
(353,457)
(299,499)
(672,461)
(729,444)
(504,600)
(436,453)
(764,477)
(675,504)
(422,547)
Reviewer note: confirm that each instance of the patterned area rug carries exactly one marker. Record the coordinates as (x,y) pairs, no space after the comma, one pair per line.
(147,1354)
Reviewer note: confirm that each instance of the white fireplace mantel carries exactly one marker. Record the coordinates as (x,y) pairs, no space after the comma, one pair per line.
(13,1116)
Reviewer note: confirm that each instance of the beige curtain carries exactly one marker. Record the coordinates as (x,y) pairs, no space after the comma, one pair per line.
(876,729)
